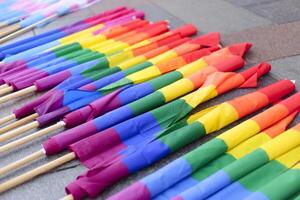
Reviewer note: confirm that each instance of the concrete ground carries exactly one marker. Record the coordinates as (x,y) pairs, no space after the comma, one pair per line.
(271,25)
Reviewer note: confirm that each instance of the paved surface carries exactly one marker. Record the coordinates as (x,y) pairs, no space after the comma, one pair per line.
(272,25)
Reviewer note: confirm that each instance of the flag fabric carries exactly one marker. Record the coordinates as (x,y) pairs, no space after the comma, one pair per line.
(284,186)
(262,158)
(163,179)
(142,148)
(122,70)
(130,110)
(230,156)
(245,186)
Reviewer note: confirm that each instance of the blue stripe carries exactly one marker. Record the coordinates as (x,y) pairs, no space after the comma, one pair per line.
(112,118)
(146,155)
(208,186)
(141,125)
(108,79)
(233,191)
(135,92)
(167,176)
(177,189)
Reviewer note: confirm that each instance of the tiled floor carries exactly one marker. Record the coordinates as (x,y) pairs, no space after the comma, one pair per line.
(266,23)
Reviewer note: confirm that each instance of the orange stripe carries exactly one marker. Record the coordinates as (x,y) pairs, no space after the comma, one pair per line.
(258,99)
(273,114)
(199,77)
(185,48)
(171,65)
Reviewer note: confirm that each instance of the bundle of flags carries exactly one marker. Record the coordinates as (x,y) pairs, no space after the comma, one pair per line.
(127,92)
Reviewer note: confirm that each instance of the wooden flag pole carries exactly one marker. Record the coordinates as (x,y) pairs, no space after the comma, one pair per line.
(36,172)
(3,86)
(18,131)
(9,29)
(16,124)
(7,119)
(31,137)
(6,90)
(17,30)
(68,197)
(20,163)
(16,94)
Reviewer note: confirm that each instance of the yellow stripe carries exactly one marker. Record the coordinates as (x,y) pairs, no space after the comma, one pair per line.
(139,44)
(115,48)
(201,95)
(85,43)
(144,75)
(163,57)
(81,34)
(118,58)
(105,43)
(239,133)
(249,145)
(131,62)
(177,89)
(192,67)
(282,143)
(116,44)
(219,117)
(290,158)
(199,114)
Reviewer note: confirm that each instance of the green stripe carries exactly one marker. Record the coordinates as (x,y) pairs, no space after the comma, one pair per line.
(284,186)
(93,70)
(64,50)
(165,80)
(116,85)
(213,167)
(262,175)
(246,164)
(297,196)
(171,113)
(183,136)
(77,54)
(137,67)
(88,57)
(147,103)
(98,75)
(205,153)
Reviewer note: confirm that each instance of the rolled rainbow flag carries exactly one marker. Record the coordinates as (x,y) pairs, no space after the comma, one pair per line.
(163,179)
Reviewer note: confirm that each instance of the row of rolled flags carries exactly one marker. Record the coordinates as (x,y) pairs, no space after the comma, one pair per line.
(125,91)
(20,16)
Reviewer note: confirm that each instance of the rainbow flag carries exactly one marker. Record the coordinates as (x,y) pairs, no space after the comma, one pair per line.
(163,179)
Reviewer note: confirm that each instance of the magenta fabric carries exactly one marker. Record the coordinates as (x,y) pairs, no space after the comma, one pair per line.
(53,146)
(8,66)
(98,151)
(94,109)
(109,174)
(49,82)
